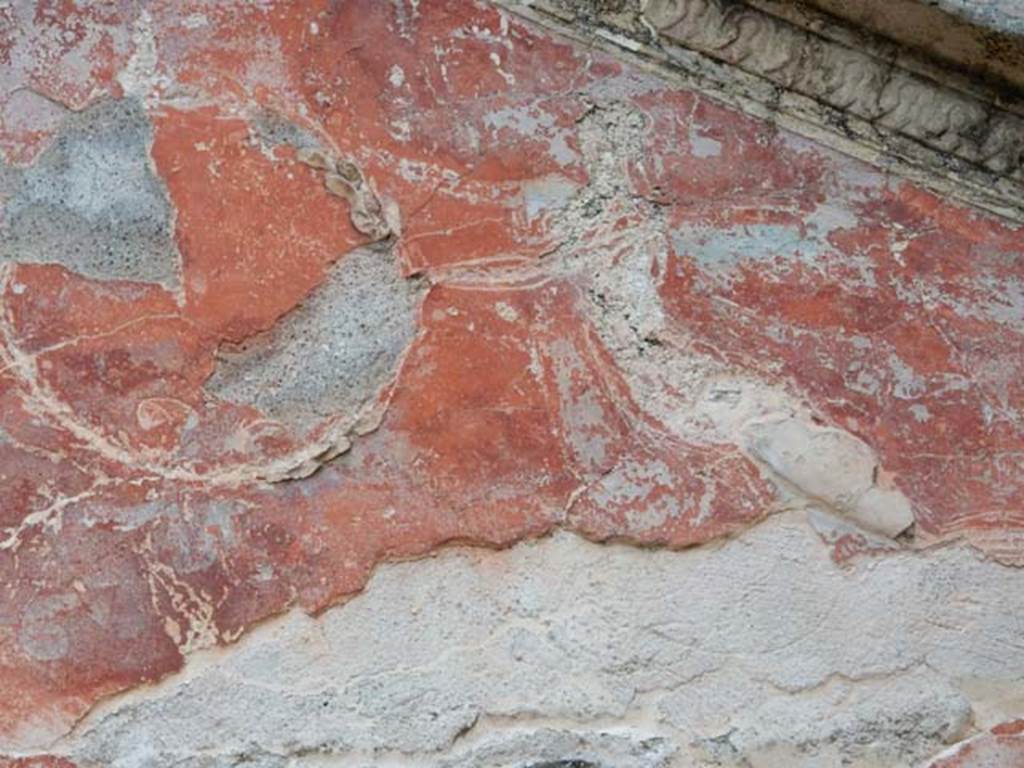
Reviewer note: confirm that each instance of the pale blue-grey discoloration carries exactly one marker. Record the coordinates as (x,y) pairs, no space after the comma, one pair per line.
(546,195)
(998,15)
(721,251)
(92,203)
(332,354)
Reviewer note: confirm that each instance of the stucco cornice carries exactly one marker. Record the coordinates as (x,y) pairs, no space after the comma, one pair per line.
(845,85)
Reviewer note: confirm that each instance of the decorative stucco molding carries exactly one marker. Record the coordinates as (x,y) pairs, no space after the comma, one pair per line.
(830,80)
(872,88)
(982,37)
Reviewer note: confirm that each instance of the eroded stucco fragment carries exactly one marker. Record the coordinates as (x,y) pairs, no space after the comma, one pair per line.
(831,467)
(761,652)
(332,357)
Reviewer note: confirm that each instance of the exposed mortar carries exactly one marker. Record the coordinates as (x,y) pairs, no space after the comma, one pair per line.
(332,356)
(562,650)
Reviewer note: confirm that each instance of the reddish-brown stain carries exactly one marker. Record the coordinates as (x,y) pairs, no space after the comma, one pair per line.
(1001,747)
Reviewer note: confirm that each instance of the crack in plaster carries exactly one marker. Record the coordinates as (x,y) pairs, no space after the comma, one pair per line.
(632,646)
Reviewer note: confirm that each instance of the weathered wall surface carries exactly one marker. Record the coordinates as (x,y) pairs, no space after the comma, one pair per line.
(291,294)
(984,38)
(760,648)
(1003,15)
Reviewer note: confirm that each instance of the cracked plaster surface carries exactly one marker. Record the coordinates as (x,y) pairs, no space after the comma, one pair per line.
(287,293)
(605,653)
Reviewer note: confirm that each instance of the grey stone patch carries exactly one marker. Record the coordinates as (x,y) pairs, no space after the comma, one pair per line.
(92,203)
(331,355)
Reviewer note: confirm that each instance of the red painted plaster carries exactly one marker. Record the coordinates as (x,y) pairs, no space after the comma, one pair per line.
(135,526)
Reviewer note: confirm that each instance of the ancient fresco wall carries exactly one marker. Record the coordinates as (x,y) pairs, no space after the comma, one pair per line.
(407,383)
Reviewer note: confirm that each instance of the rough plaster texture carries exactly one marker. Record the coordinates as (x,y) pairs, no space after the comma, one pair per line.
(983,37)
(759,650)
(411,384)
(92,202)
(1003,15)
(334,353)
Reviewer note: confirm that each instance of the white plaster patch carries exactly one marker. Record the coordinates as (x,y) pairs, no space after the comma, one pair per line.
(140,76)
(830,466)
(760,652)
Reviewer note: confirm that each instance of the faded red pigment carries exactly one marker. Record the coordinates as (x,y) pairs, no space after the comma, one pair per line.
(102,401)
